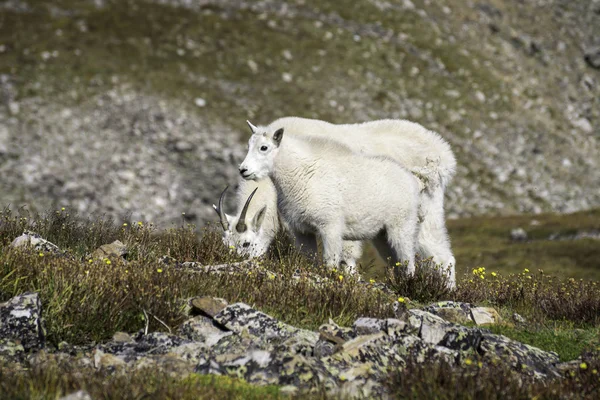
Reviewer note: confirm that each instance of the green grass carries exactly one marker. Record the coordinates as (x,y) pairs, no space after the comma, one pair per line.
(485,241)
(561,338)
(55,379)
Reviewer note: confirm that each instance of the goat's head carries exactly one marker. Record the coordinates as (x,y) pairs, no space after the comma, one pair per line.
(244,233)
(262,150)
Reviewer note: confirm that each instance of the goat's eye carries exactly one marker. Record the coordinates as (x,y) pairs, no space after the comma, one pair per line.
(246,244)
(263,148)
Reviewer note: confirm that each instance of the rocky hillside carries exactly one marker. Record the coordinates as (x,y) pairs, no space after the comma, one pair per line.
(138,107)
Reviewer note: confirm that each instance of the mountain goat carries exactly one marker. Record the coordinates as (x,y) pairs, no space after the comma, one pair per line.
(252,237)
(422,151)
(326,189)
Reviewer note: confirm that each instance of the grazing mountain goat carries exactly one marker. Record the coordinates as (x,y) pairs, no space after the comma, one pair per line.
(326,189)
(252,236)
(422,151)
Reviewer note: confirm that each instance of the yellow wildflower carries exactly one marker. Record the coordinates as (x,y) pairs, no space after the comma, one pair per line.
(140,223)
(108,261)
(594,371)
(371,281)
(341,277)
(159,270)
(124,223)
(41,254)
(468,361)
(494,274)
(583,365)
(90,260)
(401,300)
(526,270)
(62,209)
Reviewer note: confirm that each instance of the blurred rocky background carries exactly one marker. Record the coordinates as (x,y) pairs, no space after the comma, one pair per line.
(131,107)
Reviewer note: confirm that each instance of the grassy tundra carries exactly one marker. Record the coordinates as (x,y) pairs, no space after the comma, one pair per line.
(86,302)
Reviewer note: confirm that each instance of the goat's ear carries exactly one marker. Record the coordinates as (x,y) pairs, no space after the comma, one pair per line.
(258,219)
(277,136)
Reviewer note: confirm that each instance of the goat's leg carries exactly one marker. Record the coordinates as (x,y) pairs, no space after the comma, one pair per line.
(332,246)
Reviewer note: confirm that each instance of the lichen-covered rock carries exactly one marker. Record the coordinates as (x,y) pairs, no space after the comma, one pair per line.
(452,311)
(31,240)
(434,330)
(239,316)
(202,329)
(336,334)
(522,357)
(272,368)
(21,320)
(10,348)
(369,326)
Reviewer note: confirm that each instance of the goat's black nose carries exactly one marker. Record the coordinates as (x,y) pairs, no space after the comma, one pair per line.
(243,170)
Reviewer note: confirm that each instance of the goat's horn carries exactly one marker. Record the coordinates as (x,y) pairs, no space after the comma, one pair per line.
(219,210)
(252,127)
(241,225)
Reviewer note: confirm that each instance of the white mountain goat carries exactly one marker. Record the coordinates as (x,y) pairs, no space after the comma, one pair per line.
(326,189)
(422,151)
(252,237)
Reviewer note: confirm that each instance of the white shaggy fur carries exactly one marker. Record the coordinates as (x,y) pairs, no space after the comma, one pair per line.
(422,151)
(326,189)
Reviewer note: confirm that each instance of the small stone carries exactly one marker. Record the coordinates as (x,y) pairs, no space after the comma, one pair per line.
(107,361)
(114,249)
(14,107)
(480,96)
(183,146)
(518,235)
(200,102)
(210,306)
(122,337)
(584,124)
(253,66)
(592,56)
(287,77)
(485,316)
(79,395)
(36,242)
(519,319)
